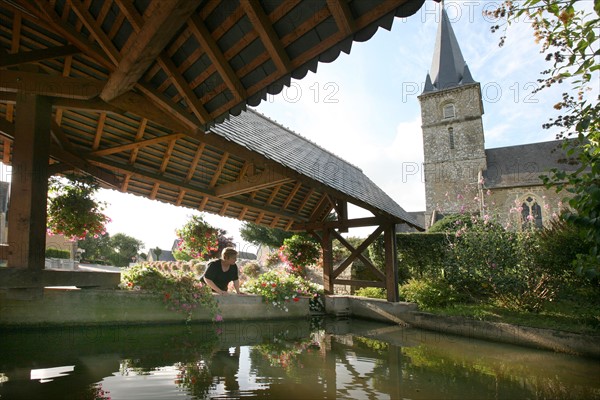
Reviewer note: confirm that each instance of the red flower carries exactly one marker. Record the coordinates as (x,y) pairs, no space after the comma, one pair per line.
(273,284)
(264,284)
(296,299)
(167,296)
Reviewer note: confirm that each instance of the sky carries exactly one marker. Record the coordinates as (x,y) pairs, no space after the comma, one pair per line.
(364,108)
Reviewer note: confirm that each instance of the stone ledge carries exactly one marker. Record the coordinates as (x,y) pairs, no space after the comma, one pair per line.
(91,307)
(407,314)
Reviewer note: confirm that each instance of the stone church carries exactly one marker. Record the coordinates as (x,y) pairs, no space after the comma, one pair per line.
(461,175)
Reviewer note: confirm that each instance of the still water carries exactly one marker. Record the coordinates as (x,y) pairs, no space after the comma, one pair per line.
(300,359)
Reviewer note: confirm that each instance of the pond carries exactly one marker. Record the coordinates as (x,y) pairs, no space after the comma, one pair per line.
(317,358)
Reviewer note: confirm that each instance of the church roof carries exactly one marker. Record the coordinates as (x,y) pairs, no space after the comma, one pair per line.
(522,165)
(448,68)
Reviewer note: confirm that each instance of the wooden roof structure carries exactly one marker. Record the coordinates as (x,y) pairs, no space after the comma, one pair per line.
(149,97)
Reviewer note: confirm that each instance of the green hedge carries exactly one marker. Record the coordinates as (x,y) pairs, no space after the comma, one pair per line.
(420,255)
(56,253)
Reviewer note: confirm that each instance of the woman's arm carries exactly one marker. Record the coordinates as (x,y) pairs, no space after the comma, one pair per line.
(213,286)
(236,285)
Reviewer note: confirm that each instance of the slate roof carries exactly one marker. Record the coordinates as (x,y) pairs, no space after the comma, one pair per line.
(448,68)
(522,165)
(262,135)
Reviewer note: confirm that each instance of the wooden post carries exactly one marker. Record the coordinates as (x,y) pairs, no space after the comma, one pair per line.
(29,183)
(327,246)
(391,263)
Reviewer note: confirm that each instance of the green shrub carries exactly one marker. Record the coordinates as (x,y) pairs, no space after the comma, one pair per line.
(420,255)
(451,223)
(372,292)
(428,294)
(251,269)
(57,253)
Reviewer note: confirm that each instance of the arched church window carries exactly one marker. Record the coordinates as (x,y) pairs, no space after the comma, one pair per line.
(451,137)
(531,213)
(449,111)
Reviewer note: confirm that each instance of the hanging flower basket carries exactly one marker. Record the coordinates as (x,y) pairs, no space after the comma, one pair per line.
(197,238)
(72,209)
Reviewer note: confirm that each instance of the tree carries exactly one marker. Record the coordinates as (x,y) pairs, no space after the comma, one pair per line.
(569,39)
(262,235)
(96,247)
(124,249)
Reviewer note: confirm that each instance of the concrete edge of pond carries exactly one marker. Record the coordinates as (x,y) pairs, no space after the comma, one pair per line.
(408,314)
(91,307)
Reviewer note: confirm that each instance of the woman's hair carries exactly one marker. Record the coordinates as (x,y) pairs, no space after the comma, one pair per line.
(229,252)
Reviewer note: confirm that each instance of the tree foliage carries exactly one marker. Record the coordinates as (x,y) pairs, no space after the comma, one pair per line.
(262,235)
(118,250)
(569,38)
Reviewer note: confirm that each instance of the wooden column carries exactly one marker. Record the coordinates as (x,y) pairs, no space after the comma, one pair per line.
(327,245)
(29,183)
(391,263)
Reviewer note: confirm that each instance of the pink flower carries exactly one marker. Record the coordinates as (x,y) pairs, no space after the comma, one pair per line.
(218,318)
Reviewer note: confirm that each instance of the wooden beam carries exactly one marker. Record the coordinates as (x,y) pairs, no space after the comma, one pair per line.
(48,18)
(99,131)
(391,263)
(194,164)
(351,223)
(49,85)
(68,157)
(74,160)
(261,23)
(190,121)
(138,137)
(327,246)
(247,184)
(359,283)
(29,183)
(9,60)
(160,112)
(363,246)
(184,89)
(96,31)
(167,156)
(136,145)
(216,56)
(343,16)
(206,193)
(359,255)
(219,170)
(163,20)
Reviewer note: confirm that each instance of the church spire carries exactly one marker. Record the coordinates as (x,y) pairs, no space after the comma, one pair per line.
(448,68)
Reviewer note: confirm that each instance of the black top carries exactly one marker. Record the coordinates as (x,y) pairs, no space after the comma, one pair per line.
(215,273)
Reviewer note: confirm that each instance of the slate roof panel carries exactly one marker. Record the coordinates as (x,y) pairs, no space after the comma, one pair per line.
(262,135)
(522,165)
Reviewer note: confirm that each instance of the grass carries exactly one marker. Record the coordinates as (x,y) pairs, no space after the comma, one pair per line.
(566,314)
(577,311)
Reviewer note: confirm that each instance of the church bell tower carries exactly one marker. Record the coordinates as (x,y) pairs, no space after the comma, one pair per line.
(453,139)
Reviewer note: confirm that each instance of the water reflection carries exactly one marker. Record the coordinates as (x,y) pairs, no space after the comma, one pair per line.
(320,359)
